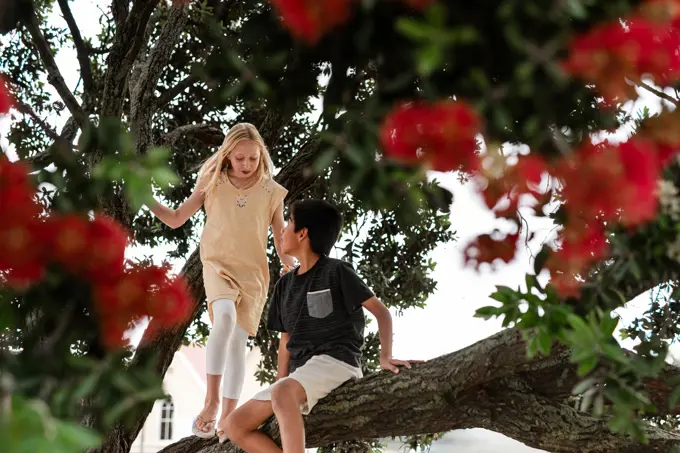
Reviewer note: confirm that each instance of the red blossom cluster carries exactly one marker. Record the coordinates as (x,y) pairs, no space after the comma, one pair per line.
(646,44)
(486,248)
(502,194)
(5,98)
(443,134)
(309,20)
(93,249)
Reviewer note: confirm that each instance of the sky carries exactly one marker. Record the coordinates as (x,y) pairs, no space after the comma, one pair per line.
(447,323)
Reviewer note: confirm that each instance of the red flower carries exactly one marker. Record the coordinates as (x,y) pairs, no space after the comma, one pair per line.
(141,291)
(21,277)
(107,240)
(310,19)
(6,101)
(70,244)
(610,53)
(112,334)
(443,134)
(487,249)
(616,182)
(23,251)
(172,302)
(641,173)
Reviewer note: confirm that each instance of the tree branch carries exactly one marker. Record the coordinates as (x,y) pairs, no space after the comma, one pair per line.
(128,41)
(479,386)
(53,74)
(171,93)
(206,133)
(27,110)
(659,93)
(142,92)
(81,48)
(161,53)
(119,8)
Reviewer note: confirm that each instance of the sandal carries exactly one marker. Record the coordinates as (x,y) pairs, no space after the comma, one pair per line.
(199,432)
(221,438)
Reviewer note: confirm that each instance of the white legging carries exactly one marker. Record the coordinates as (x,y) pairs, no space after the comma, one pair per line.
(227,346)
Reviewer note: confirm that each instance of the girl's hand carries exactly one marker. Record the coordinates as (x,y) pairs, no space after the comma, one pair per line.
(286,268)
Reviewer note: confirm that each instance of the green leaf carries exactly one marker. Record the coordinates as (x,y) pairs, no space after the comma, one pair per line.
(674,398)
(410,28)
(540,260)
(324,161)
(429,59)
(486,312)
(157,156)
(587,365)
(532,282)
(164,177)
(544,340)
(576,9)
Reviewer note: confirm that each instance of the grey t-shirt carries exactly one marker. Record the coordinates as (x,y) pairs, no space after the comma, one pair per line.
(322,311)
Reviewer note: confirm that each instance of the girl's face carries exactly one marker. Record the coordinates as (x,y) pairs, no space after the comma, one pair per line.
(244,159)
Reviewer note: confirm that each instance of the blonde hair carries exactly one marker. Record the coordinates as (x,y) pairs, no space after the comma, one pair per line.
(211,170)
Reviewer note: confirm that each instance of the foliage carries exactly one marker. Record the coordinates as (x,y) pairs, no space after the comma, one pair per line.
(404,86)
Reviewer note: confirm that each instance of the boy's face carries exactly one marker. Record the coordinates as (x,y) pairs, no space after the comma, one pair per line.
(290,240)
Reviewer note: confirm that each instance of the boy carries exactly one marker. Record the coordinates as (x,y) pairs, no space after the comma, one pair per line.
(317,309)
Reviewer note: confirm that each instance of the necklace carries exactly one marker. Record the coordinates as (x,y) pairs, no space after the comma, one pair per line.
(242,198)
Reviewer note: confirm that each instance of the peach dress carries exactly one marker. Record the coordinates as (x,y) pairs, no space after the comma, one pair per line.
(234,246)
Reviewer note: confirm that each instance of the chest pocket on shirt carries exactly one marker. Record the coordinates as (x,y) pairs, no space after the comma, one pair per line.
(320,303)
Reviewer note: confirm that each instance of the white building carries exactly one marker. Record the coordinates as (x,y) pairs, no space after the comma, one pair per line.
(170,421)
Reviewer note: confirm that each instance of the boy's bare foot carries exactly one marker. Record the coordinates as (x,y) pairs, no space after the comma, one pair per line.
(222,425)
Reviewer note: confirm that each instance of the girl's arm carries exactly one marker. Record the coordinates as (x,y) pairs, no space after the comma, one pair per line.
(283,356)
(277,229)
(175,218)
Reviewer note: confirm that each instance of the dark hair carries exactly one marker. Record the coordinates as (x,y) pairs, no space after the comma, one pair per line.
(322,220)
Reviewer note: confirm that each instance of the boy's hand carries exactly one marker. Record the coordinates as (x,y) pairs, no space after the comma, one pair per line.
(390,364)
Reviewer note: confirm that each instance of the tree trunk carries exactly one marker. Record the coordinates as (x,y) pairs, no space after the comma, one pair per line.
(483,385)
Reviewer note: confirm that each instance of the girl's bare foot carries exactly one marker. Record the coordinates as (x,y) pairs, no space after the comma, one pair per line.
(205,421)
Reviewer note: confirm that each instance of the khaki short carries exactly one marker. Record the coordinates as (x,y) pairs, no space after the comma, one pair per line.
(319,376)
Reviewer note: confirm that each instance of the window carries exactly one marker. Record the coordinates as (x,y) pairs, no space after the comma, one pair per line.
(167,409)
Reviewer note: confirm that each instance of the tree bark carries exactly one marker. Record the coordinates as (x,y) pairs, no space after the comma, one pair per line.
(481,386)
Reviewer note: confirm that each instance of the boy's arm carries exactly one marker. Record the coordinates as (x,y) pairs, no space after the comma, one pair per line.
(283,357)
(384,318)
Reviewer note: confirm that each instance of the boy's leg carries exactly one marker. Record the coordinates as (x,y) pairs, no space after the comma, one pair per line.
(242,427)
(287,397)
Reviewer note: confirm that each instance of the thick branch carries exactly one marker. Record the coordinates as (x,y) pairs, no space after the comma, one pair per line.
(142,92)
(171,93)
(557,427)
(128,41)
(119,8)
(479,386)
(208,134)
(81,48)
(53,74)
(161,53)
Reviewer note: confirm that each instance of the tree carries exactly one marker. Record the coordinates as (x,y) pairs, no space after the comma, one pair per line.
(390,70)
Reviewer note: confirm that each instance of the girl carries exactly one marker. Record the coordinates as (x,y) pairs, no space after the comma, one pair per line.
(241,201)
